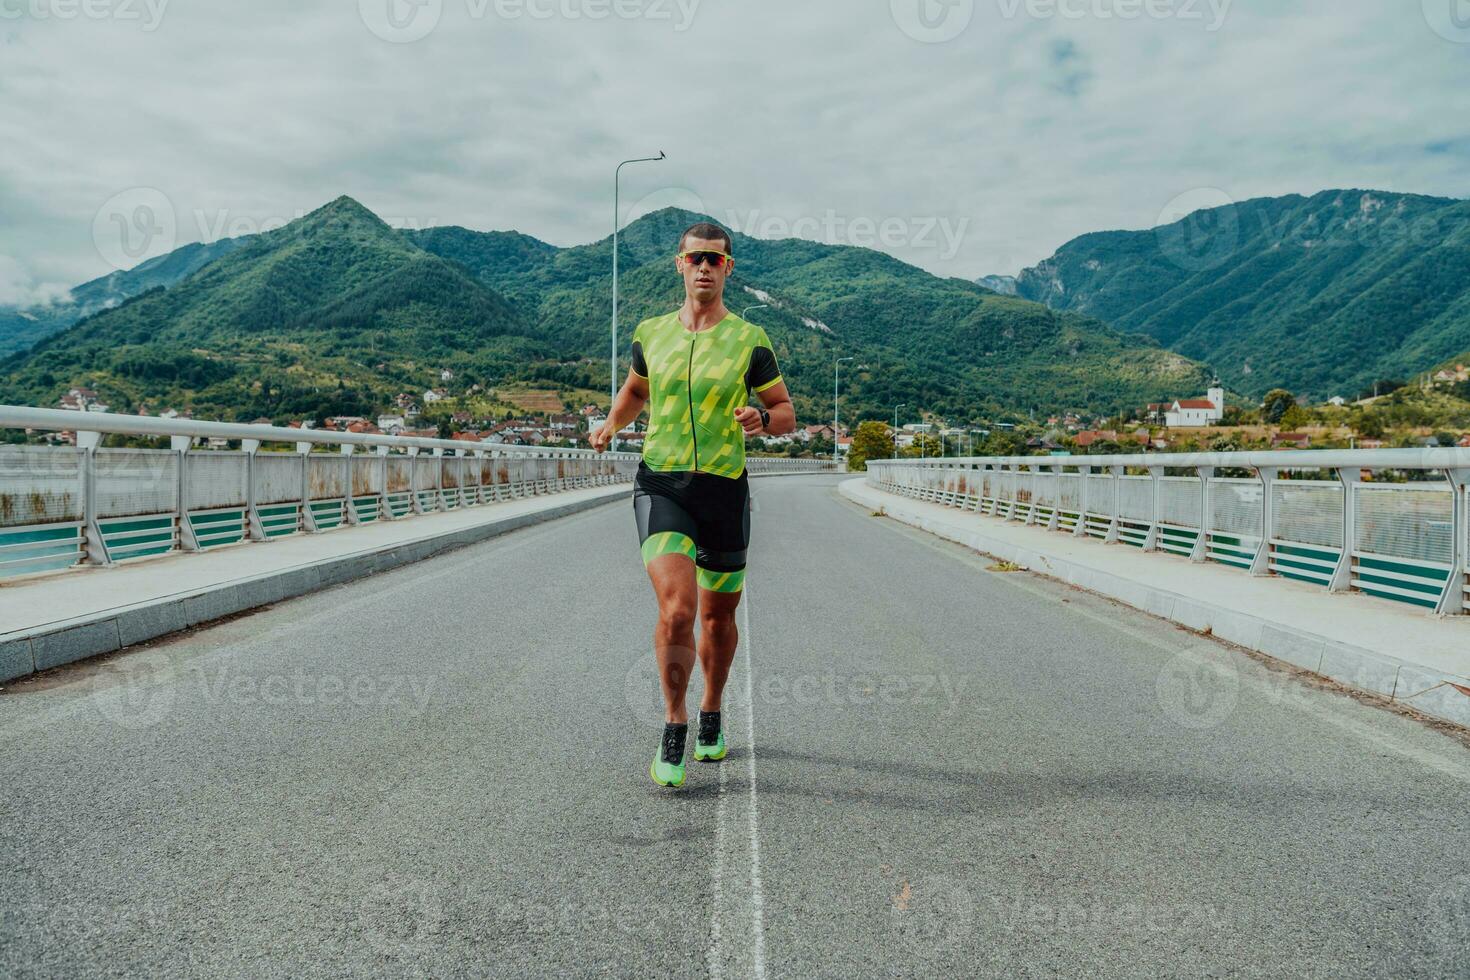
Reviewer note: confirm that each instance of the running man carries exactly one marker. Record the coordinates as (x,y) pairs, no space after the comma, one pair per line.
(696,368)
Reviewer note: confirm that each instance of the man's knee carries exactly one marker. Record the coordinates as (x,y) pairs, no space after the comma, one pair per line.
(676,614)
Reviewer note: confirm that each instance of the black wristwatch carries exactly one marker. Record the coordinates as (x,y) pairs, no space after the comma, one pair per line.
(765,419)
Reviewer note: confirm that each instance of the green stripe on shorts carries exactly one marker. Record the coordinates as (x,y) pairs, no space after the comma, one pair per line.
(667,543)
(721,581)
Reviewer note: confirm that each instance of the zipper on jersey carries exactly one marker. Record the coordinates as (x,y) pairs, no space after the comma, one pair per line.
(689,389)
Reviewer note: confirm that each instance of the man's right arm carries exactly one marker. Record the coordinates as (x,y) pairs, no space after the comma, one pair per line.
(632,396)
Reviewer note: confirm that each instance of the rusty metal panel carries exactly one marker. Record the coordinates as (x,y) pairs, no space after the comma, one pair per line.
(216,479)
(132,482)
(424,468)
(367,476)
(450,466)
(278,477)
(40,485)
(400,474)
(326,477)
(470,471)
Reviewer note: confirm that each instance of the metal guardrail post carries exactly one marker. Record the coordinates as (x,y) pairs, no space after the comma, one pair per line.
(94,548)
(308,519)
(1261,565)
(1342,576)
(459,454)
(1084,473)
(1115,529)
(1201,550)
(414,494)
(349,498)
(385,510)
(439,479)
(1155,475)
(187,540)
(1054,475)
(1452,599)
(254,529)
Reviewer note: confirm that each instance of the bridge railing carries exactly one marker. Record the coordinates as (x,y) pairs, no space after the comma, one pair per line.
(1366,527)
(62,505)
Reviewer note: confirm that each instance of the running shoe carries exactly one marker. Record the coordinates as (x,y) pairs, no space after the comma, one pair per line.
(709,745)
(668,765)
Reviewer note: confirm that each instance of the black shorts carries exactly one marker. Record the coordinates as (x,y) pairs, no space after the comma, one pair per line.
(701,515)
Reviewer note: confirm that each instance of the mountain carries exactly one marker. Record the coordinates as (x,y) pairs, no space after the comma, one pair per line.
(1321,295)
(337,312)
(291,321)
(1005,285)
(20,327)
(941,345)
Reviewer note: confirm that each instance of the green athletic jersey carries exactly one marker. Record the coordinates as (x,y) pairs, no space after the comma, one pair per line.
(696,381)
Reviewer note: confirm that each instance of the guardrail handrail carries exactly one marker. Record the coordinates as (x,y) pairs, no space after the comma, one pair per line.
(1404,541)
(60,506)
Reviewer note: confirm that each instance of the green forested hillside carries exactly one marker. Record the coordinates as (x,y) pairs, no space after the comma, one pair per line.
(337,312)
(334,312)
(22,327)
(1320,295)
(942,345)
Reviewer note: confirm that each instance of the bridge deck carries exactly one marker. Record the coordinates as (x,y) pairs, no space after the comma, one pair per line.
(442,769)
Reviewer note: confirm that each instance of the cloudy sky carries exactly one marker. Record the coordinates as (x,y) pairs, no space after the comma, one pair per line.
(965,136)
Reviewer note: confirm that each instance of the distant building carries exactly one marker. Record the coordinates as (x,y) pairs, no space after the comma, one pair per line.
(1196,411)
(1291,440)
(435,395)
(391,424)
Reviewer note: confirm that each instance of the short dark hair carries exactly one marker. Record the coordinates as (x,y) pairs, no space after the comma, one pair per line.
(709,232)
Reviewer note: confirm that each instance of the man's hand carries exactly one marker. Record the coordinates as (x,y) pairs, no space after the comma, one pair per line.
(600,438)
(749,419)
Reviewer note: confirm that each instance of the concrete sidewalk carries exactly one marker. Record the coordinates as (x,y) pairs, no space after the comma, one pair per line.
(62,617)
(1387,648)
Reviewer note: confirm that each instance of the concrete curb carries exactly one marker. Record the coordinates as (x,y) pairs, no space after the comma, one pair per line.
(74,640)
(1428,690)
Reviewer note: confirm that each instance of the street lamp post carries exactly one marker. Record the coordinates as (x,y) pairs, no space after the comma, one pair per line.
(835,363)
(895,427)
(617,220)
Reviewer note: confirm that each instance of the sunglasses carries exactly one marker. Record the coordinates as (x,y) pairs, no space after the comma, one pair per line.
(716,260)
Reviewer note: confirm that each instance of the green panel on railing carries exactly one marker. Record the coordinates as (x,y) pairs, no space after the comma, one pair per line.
(279,521)
(160,542)
(367,509)
(64,542)
(1303,571)
(211,530)
(1434,576)
(327,514)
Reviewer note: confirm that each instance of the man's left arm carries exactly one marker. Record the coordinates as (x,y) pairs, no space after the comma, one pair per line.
(778,406)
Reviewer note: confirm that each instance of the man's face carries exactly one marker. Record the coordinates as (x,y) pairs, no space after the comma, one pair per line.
(703,283)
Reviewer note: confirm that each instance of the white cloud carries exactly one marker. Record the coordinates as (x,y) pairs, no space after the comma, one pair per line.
(1024,131)
(17,288)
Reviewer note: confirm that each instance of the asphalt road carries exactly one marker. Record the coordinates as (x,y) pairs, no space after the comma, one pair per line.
(936,769)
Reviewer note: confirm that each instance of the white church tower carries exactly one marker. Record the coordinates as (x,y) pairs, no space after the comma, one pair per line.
(1217,398)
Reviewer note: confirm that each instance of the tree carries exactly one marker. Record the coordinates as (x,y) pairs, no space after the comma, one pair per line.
(872,440)
(1294,418)
(1370,425)
(925,445)
(1278,400)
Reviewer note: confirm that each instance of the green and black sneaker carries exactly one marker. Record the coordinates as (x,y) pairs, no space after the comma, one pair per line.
(668,765)
(709,745)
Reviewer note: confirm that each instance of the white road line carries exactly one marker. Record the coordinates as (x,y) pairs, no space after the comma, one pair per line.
(757,897)
(715,954)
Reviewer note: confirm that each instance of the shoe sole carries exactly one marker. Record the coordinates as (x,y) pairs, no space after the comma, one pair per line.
(654,776)
(711,757)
